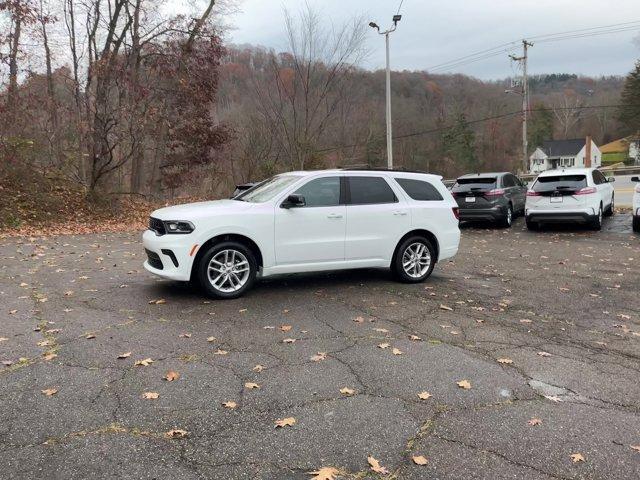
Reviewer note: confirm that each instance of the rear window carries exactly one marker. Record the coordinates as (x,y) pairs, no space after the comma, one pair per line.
(368,190)
(474,184)
(419,190)
(560,182)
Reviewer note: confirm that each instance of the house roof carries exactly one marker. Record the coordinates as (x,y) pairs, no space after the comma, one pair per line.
(617,146)
(563,148)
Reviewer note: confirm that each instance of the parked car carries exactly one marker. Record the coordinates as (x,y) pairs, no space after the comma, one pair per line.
(580,195)
(495,197)
(636,205)
(307,221)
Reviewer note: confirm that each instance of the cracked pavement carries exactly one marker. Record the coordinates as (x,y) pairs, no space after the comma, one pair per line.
(559,308)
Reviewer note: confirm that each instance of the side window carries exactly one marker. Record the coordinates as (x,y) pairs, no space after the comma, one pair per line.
(419,190)
(508,181)
(321,192)
(598,178)
(369,190)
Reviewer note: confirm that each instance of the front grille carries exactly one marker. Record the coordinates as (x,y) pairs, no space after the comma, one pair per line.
(157,226)
(154,259)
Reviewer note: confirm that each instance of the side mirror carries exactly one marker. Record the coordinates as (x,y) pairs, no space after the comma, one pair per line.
(294,200)
(635,179)
(611,179)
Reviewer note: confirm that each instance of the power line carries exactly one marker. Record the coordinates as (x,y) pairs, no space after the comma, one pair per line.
(550,37)
(399,7)
(475,121)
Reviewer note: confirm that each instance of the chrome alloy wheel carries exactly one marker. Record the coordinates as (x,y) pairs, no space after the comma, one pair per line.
(228,270)
(416,260)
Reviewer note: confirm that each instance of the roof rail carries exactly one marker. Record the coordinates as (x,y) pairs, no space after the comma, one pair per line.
(380,169)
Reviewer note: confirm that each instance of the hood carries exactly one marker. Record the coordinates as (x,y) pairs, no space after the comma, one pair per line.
(197,210)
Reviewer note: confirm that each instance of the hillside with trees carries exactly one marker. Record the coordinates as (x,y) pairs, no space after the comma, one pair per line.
(132,101)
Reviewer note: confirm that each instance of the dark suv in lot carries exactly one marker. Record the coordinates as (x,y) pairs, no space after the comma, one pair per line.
(495,197)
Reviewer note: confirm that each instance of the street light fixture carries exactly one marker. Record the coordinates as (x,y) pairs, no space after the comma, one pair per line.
(396,19)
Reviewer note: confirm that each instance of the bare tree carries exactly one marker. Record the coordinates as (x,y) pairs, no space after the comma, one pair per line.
(567,110)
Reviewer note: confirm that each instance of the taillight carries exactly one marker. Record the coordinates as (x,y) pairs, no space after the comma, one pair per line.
(586,191)
(531,193)
(456,212)
(495,192)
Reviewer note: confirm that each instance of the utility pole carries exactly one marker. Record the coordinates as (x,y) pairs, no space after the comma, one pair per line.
(396,19)
(525,102)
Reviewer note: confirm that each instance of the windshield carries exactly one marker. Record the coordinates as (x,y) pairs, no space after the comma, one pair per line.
(268,189)
(560,182)
(471,184)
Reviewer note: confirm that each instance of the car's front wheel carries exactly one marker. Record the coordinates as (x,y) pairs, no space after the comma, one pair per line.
(596,223)
(611,209)
(227,270)
(414,260)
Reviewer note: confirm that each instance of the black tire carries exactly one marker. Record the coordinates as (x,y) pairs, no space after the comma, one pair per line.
(533,226)
(596,223)
(397,263)
(203,270)
(610,209)
(636,224)
(507,219)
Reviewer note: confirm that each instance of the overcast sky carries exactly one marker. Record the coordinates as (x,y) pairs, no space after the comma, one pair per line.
(435,31)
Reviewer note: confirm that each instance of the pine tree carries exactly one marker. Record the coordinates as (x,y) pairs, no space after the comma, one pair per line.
(629,111)
(459,145)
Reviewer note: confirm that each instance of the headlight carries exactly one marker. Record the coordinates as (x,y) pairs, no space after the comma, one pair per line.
(178,226)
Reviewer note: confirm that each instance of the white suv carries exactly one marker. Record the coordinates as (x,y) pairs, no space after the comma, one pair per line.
(580,195)
(303,222)
(636,205)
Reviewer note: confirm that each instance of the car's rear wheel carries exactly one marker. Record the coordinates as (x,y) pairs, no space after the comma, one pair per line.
(414,260)
(596,223)
(533,226)
(636,224)
(507,219)
(610,209)
(227,270)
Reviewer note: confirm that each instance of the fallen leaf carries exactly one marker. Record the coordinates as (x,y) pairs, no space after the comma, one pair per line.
(635,447)
(258,368)
(464,384)
(415,338)
(553,398)
(211,339)
(577,457)
(185,335)
(45,343)
(383,345)
(544,354)
(91,336)
(534,421)
(397,351)
(419,460)
(124,355)
(171,376)
(347,391)
(381,330)
(242,310)
(444,307)
(285,422)
(318,357)
(289,340)
(160,301)
(150,395)
(376,467)
(505,360)
(220,352)
(358,319)
(285,328)
(424,395)
(7,363)
(251,385)
(13,312)
(176,433)
(50,391)
(49,356)
(325,473)
(230,405)
(3,339)
(144,363)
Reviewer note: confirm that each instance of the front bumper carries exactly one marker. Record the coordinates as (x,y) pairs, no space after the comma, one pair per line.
(173,253)
(585,215)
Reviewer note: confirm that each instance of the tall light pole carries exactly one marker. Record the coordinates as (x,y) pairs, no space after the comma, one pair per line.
(396,19)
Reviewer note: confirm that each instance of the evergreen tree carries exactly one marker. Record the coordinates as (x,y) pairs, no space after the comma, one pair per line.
(629,111)
(459,144)
(540,125)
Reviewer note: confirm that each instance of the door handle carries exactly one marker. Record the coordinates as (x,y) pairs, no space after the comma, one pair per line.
(399,213)
(334,215)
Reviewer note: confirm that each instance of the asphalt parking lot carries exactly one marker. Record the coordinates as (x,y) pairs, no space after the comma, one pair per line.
(525,348)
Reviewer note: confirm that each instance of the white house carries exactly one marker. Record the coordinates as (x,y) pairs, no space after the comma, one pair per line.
(565,153)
